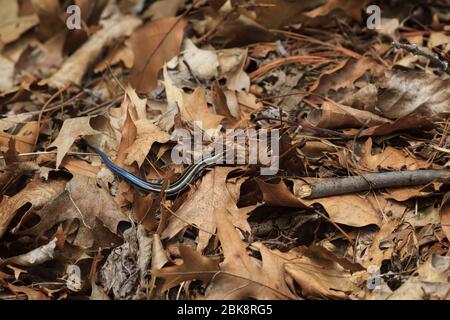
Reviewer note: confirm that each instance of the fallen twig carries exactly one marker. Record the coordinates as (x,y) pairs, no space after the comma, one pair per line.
(369,181)
(414,49)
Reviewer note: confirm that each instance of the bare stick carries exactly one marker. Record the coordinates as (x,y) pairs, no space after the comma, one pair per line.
(69,153)
(414,49)
(369,181)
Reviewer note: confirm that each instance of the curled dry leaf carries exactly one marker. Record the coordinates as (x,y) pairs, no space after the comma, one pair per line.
(344,75)
(376,252)
(36,194)
(32,294)
(14,120)
(153,45)
(445,214)
(409,122)
(337,207)
(203,63)
(318,275)
(231,63)
(337,116)
(429,281)
(34,257)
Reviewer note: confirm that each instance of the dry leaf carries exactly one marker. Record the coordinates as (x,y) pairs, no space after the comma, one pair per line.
(194,267)
(444,212)
(344,75)
(94,208)
(337,116)
(75,67)
(409,122)
(231,66)
(413,92)
(203,63)
(318,275)
(198,209)
(351,7)
(194,108)
(429,282)
(163,8)
(243,277)
(123,54)
(37,193)
(390,158)
(50,21)
(153,45)
(34,257)
(25,138)
(32,294)
(147,134)
(70,131)
(12,25)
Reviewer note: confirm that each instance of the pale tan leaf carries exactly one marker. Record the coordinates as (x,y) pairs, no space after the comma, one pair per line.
(34,257)
(72,129)
(195,108)
(12,26)
(414,92)
(163,8)
(203,63)
(390,158)
(147,134)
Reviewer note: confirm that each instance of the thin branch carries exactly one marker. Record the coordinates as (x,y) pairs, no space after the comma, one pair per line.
(414,49)
(370,181)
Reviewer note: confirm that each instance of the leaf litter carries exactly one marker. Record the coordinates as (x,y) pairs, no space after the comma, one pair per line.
(346,101)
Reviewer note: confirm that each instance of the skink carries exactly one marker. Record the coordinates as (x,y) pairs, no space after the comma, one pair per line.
(191,174)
